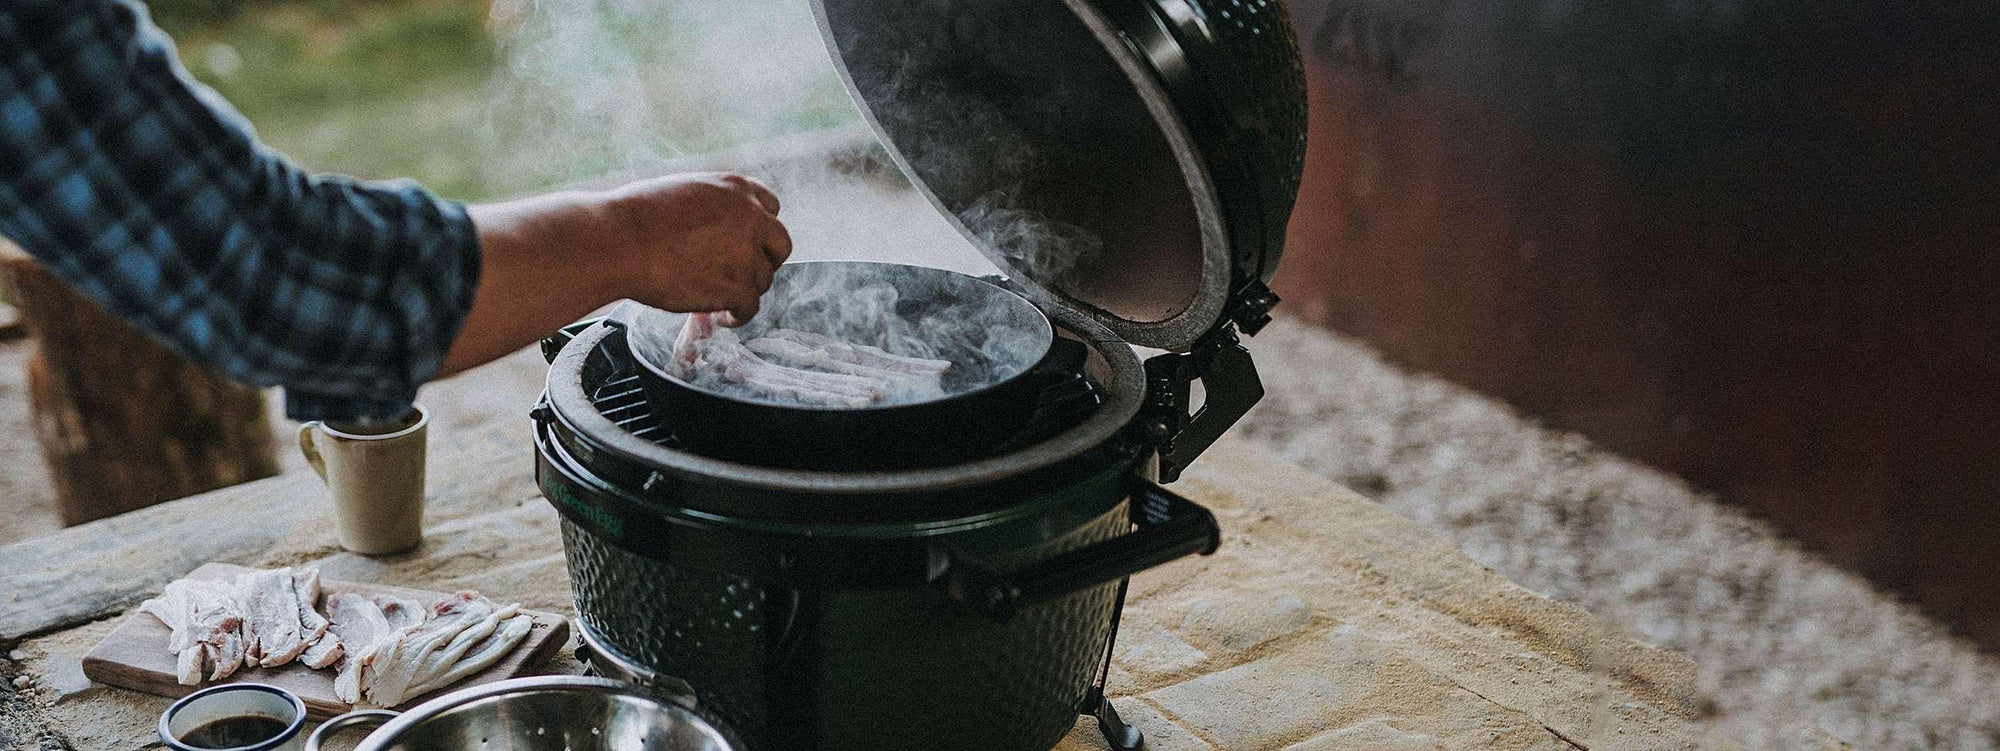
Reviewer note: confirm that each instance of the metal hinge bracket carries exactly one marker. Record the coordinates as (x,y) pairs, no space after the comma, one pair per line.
(1230,388)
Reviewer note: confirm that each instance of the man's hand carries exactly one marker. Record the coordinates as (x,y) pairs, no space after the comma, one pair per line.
(701,242)
(697,242)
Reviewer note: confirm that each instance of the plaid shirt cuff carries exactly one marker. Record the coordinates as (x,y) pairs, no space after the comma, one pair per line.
(453,263)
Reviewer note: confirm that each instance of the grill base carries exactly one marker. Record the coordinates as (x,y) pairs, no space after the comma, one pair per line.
(888,669)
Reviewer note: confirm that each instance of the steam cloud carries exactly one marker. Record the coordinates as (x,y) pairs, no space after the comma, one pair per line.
(916,313)
(598,87)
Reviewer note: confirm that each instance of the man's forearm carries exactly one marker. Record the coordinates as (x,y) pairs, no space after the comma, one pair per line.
(544,263)
(697,242)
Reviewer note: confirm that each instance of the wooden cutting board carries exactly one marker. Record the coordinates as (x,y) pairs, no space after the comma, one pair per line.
(135,654)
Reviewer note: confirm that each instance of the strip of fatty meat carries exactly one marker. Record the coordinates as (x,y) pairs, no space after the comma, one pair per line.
(205,620)
(400,649)
(323,647)
(367,627)
(442,661)
(702,348)
(735,363)
(361,628)
(861,354)
(509,635)
(395,667)
(795,355)
(271,608)
(689,344)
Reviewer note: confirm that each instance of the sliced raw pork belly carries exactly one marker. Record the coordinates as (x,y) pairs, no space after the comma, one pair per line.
(395,666)
(323,648)
(271,609)
(205,619)
(509,635)
(362,629)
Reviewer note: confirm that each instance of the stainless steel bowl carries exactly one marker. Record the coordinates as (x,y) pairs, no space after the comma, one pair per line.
(551,713)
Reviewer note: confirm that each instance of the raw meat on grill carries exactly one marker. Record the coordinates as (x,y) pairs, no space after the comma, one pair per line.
(791,353)
(801,367)
(688,345)
(726,356)
(861,354)
(704,353)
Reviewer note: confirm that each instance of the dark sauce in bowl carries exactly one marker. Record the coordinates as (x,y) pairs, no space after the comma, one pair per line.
(235,732)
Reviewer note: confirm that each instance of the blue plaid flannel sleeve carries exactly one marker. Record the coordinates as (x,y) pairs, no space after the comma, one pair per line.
(149,194)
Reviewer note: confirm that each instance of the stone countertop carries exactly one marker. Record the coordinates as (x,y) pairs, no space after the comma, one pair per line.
(1324,622)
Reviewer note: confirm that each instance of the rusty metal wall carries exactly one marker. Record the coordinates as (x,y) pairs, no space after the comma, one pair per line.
(1754,242)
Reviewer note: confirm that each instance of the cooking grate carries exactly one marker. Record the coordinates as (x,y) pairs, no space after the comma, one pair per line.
(623,402)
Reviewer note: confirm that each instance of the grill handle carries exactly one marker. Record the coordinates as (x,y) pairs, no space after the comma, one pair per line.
(1167,527)
(553,345)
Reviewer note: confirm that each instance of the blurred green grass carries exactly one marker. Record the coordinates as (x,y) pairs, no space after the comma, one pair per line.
(378,89)
(467,98)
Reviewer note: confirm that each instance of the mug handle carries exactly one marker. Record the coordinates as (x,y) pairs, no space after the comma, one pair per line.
(311,451)
(342,722)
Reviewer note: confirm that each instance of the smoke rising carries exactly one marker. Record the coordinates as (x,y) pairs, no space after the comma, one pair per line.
(970,107)
(987,335)
(596,88)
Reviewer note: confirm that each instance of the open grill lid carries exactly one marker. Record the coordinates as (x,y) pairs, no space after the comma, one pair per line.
(1133,159)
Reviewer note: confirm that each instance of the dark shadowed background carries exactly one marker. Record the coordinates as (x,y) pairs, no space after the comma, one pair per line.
(1748,241)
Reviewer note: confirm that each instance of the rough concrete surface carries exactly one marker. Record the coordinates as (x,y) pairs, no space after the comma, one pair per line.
(1781,640)
(1325,621)
(27,501)
(1788,651)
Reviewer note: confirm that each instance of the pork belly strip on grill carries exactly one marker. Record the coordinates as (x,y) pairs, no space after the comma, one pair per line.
(689,344)
(795,355)
(861,354)
(726,356)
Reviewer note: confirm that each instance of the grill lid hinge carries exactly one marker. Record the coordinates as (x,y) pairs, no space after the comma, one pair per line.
(1230,387)
(1250,308)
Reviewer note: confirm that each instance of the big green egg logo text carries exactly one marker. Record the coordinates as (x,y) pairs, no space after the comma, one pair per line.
(610,525)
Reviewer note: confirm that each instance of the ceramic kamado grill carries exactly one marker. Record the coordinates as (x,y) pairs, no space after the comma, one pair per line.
(968,599)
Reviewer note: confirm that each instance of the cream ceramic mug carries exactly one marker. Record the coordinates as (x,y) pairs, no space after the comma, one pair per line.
(376,474)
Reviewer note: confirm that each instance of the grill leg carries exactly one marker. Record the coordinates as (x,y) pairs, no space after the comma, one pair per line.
(1121,736)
